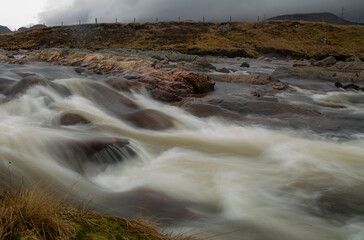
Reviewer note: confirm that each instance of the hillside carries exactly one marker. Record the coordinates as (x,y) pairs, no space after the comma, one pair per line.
(297,39)
(315,17)
(4,29)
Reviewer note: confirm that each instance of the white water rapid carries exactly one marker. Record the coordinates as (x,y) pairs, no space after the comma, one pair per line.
(224,180)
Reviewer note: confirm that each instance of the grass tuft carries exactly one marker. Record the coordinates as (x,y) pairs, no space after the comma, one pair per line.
(33,213)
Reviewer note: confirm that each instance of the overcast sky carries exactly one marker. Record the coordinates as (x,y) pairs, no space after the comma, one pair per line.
(17,13)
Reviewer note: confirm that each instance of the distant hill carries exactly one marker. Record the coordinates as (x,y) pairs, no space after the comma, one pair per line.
(315,17)
(32,27)
(4,29)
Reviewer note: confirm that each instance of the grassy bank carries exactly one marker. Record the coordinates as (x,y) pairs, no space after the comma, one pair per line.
(290,38)
(35,214)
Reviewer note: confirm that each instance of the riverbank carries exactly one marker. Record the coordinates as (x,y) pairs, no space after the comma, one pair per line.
(294,39)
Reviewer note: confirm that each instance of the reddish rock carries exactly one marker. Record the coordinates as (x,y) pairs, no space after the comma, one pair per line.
(150,119)
(73,119)
(175,85)
(165,95)
(299,64)
(126,85)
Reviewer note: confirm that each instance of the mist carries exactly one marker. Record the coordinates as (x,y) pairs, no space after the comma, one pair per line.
(212,10)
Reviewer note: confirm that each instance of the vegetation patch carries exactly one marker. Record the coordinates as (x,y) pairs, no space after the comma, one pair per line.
(36,214)
(297,39)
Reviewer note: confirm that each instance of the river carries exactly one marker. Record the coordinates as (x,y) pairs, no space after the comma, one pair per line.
(206,176)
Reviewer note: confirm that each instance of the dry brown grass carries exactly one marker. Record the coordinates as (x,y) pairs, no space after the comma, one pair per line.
(294,38)
(35,214)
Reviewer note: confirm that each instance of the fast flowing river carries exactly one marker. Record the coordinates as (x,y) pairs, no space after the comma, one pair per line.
(209,177)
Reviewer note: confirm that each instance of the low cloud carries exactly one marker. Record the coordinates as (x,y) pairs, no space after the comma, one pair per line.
(212,10)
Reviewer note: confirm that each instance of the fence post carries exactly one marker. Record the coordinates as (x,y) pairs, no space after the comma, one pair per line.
(134,20)
(116,20)
(62,23)
(179,18)
(79,21)
(258,19)
(203,18)
(230,18)
(96,20)
(156,19)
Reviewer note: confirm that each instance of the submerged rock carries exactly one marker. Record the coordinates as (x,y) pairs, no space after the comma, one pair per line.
(73,119)
(150,119)
(32,80)
(245,65)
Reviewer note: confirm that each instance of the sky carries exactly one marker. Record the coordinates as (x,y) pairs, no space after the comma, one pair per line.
(18,13)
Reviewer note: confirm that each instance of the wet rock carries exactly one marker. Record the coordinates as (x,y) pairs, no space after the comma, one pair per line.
(224,70)
(203,64)
(174,85)
(257,93)
(264,108)
(93,146)
(80,70)
(110,99)
(206,110)
(266,59)
(245,65)
(166,96)
(299,64)
(353,59)
(73,119)
(126,85)
(150,119)
(343,203)
(349,86)
(32,80)
(201,83)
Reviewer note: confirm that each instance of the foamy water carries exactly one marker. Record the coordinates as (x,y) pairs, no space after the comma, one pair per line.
(239,181)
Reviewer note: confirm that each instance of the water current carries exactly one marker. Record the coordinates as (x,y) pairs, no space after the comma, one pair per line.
(214,178)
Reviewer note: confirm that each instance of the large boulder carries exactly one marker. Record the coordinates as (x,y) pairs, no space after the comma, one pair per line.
(32,80)
(174,85)
(150,119)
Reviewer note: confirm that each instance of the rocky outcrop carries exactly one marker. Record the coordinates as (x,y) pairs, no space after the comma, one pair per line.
(327,62)
(32,27)
(170,86)
(4,29)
